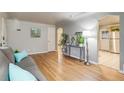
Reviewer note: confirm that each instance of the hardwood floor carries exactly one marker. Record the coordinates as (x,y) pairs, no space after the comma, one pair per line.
(60,67)
(109,59)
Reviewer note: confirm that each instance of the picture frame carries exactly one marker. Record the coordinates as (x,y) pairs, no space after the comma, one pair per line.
(35,32)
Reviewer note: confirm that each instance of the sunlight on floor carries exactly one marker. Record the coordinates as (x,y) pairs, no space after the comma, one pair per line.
(60,55)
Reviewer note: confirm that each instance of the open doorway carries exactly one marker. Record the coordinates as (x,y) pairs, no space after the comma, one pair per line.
(109,41)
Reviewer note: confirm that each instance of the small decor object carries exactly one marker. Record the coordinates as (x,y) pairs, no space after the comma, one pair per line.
(35,32)
(115,29)
(3,43)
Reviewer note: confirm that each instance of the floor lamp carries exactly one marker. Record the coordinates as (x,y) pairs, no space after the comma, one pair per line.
(87,34)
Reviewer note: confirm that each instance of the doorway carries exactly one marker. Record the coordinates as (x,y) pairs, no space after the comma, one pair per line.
(51,38)
(109,41)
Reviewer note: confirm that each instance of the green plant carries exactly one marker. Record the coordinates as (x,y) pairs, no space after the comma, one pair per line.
(72,40)
(64,39)
(79,39)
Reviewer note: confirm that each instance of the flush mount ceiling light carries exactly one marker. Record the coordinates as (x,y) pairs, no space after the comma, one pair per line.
(76,14)
(79,15)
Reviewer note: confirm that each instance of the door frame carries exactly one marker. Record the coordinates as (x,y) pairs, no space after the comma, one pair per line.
(54,38)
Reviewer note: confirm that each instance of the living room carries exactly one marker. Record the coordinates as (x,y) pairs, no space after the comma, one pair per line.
(36,33)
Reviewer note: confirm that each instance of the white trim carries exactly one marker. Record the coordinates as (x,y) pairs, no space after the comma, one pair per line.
(93,62)
(53,50)
(122,72)
(3,47)
(31,52)
(74,56)
(38,52)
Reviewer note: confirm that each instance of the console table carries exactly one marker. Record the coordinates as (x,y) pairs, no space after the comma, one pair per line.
(82,50)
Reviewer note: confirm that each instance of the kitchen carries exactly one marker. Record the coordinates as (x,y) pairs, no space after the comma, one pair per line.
(109,41)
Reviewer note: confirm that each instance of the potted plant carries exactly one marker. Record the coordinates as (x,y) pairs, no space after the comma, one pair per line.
(63,40)
(81,41)
(73,41)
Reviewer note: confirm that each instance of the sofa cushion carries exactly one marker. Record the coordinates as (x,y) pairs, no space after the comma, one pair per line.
(9,53)
(36,72)
(29,65)
(4,65)
(26,62)
(18,74)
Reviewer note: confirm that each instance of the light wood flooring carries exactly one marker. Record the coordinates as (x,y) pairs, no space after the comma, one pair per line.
(109,59)
(59,67)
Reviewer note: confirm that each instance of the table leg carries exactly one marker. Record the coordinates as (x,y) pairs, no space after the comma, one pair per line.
(80,54)
(84,53)
(69,50)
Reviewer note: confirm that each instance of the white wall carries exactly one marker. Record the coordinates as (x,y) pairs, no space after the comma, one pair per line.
(122,42)
(22,40)
(71,28)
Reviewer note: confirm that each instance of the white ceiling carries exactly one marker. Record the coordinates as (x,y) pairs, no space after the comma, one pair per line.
(109,20)
(46,17)
(56,17)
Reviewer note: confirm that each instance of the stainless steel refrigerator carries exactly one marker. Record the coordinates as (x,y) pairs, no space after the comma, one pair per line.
(114,44)
(104,40)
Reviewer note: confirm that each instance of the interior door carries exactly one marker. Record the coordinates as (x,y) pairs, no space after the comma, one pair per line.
(51,38)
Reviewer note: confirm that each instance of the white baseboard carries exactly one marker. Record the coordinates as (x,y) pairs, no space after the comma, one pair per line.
(38,52)
(52,51)
(74,56)
(93,62)
(122,72)
(3,47)
(55,50)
